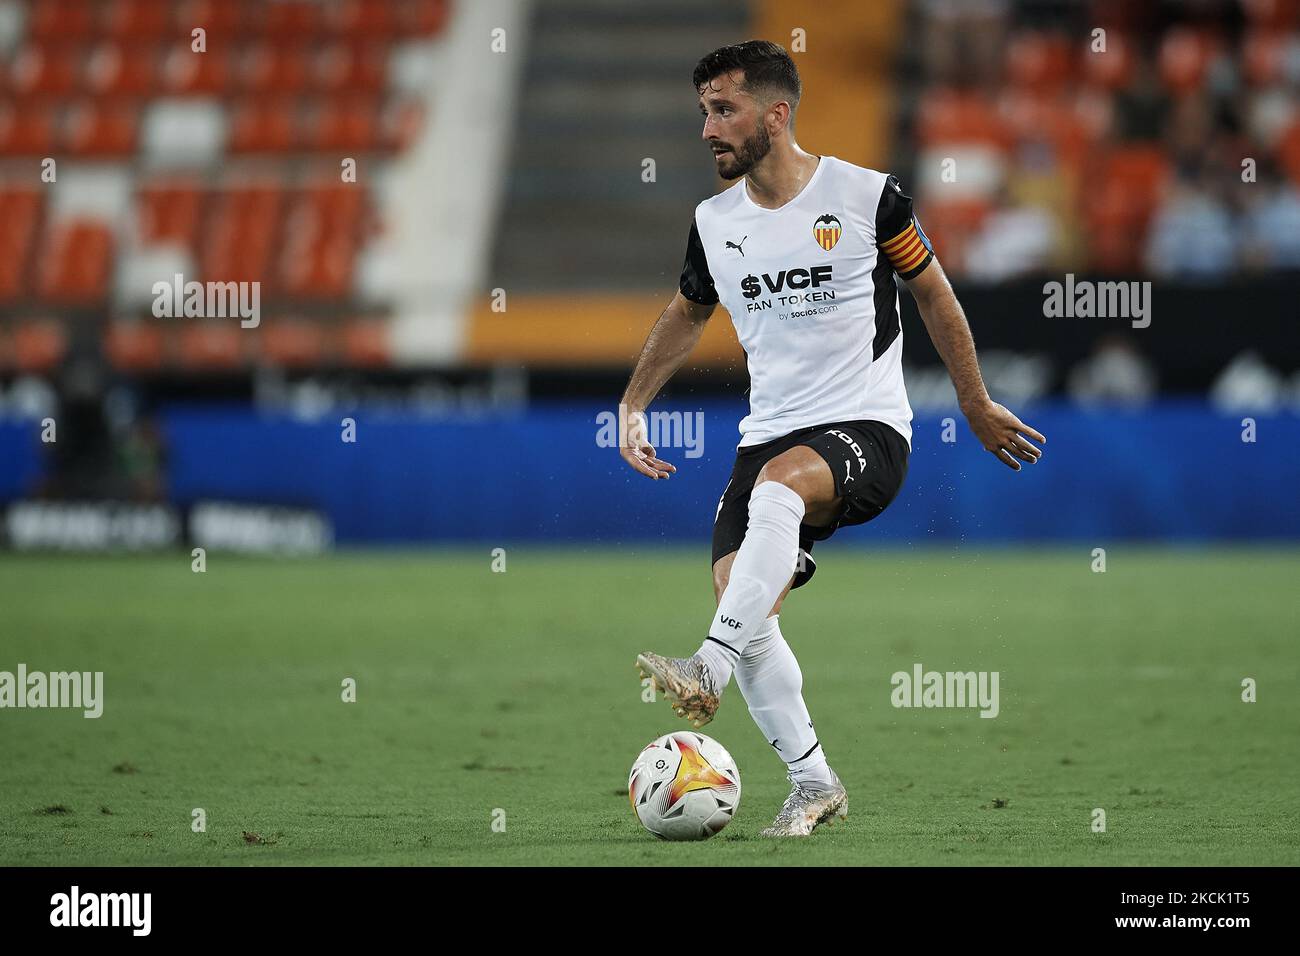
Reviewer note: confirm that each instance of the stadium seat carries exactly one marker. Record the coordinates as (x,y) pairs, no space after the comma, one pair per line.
(1185,55)
(1113,69)
(61,19)
(168,212)
(422,17)
(362,17)
(364,343)
(952,116)
(92,128)
(1262,55)
(350,68)
(290,19)
(1129,184)
(134,346)
(292,343)
(135,19)
(38,345)
(20,211)
(264,126)
(26,130)
(344,125)
(184,71)
(241,232)
(218,18)
(1039,61)
(114,69)
(211,345)
(46,70)
(271,68)
(75,262)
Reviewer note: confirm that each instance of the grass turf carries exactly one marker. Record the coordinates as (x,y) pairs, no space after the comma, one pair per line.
(479,690)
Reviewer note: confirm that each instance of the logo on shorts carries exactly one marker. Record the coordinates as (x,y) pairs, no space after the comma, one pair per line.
(854,447)
(826,230)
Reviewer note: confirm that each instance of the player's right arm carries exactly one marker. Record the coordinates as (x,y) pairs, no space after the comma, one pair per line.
(666,348)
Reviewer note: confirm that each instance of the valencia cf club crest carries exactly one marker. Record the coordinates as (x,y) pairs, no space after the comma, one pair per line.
(826,230)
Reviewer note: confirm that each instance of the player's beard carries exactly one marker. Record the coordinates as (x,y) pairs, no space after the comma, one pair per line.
(751,151)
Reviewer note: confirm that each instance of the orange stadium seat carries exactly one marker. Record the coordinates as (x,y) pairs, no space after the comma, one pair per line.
(372,17)
(1129,184)
(38,345)
(1288,152)
(130,19)
(75,262)
(241,235)
(1114,68)
(365,343)
(264,126)
(211,344)
(291,19)
(266,67)
(350,67)
(950,116)
(349,124)
(134,346)
(46,70)
(219,18)
(1039,61)
(423,17)
(184,71)
(1262,55)
(61,19)
(26,130)
(96,129)
(169,212)
(20,211)
(1185,56)
(292,343)
(114,69)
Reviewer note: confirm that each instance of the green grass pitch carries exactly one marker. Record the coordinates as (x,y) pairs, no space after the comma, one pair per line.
(517,691)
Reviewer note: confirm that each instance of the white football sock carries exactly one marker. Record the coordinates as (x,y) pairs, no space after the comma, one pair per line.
(771,682)
(762,569)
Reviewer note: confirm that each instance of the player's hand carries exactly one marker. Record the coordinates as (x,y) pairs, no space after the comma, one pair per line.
(1001,433)
(637,450)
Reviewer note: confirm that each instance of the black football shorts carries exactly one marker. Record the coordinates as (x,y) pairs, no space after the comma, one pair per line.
(868,460)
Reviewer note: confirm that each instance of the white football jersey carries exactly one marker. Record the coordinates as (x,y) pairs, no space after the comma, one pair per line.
(811,290)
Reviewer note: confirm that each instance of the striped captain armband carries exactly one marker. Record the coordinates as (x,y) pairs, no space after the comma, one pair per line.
(910,251)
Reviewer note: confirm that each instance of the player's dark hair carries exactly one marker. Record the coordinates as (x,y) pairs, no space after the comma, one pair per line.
(766,65)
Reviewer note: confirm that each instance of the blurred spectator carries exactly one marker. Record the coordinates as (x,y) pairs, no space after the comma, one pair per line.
(1013,241)
(1270,227)
(1192,235)
(1247,384)
(1115,373)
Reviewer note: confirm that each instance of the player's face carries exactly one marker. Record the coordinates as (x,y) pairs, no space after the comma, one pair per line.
(733,127)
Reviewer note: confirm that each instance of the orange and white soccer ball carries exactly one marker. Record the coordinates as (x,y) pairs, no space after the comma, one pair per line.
(684,786)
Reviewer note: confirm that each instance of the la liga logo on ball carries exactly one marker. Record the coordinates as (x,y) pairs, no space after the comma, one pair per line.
(684,786)
(826,230)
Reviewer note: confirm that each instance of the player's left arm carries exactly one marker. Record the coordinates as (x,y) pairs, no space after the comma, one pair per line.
(997,428)
(904,243)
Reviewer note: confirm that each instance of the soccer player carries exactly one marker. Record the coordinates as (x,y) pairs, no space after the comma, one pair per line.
(802,250)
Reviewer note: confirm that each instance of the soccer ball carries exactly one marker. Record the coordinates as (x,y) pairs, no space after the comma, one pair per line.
(684,786)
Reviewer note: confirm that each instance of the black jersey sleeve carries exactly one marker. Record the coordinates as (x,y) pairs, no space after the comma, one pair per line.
(697,282)
(898,234)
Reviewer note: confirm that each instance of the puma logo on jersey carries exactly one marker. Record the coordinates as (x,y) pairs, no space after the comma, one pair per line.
(737,247)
